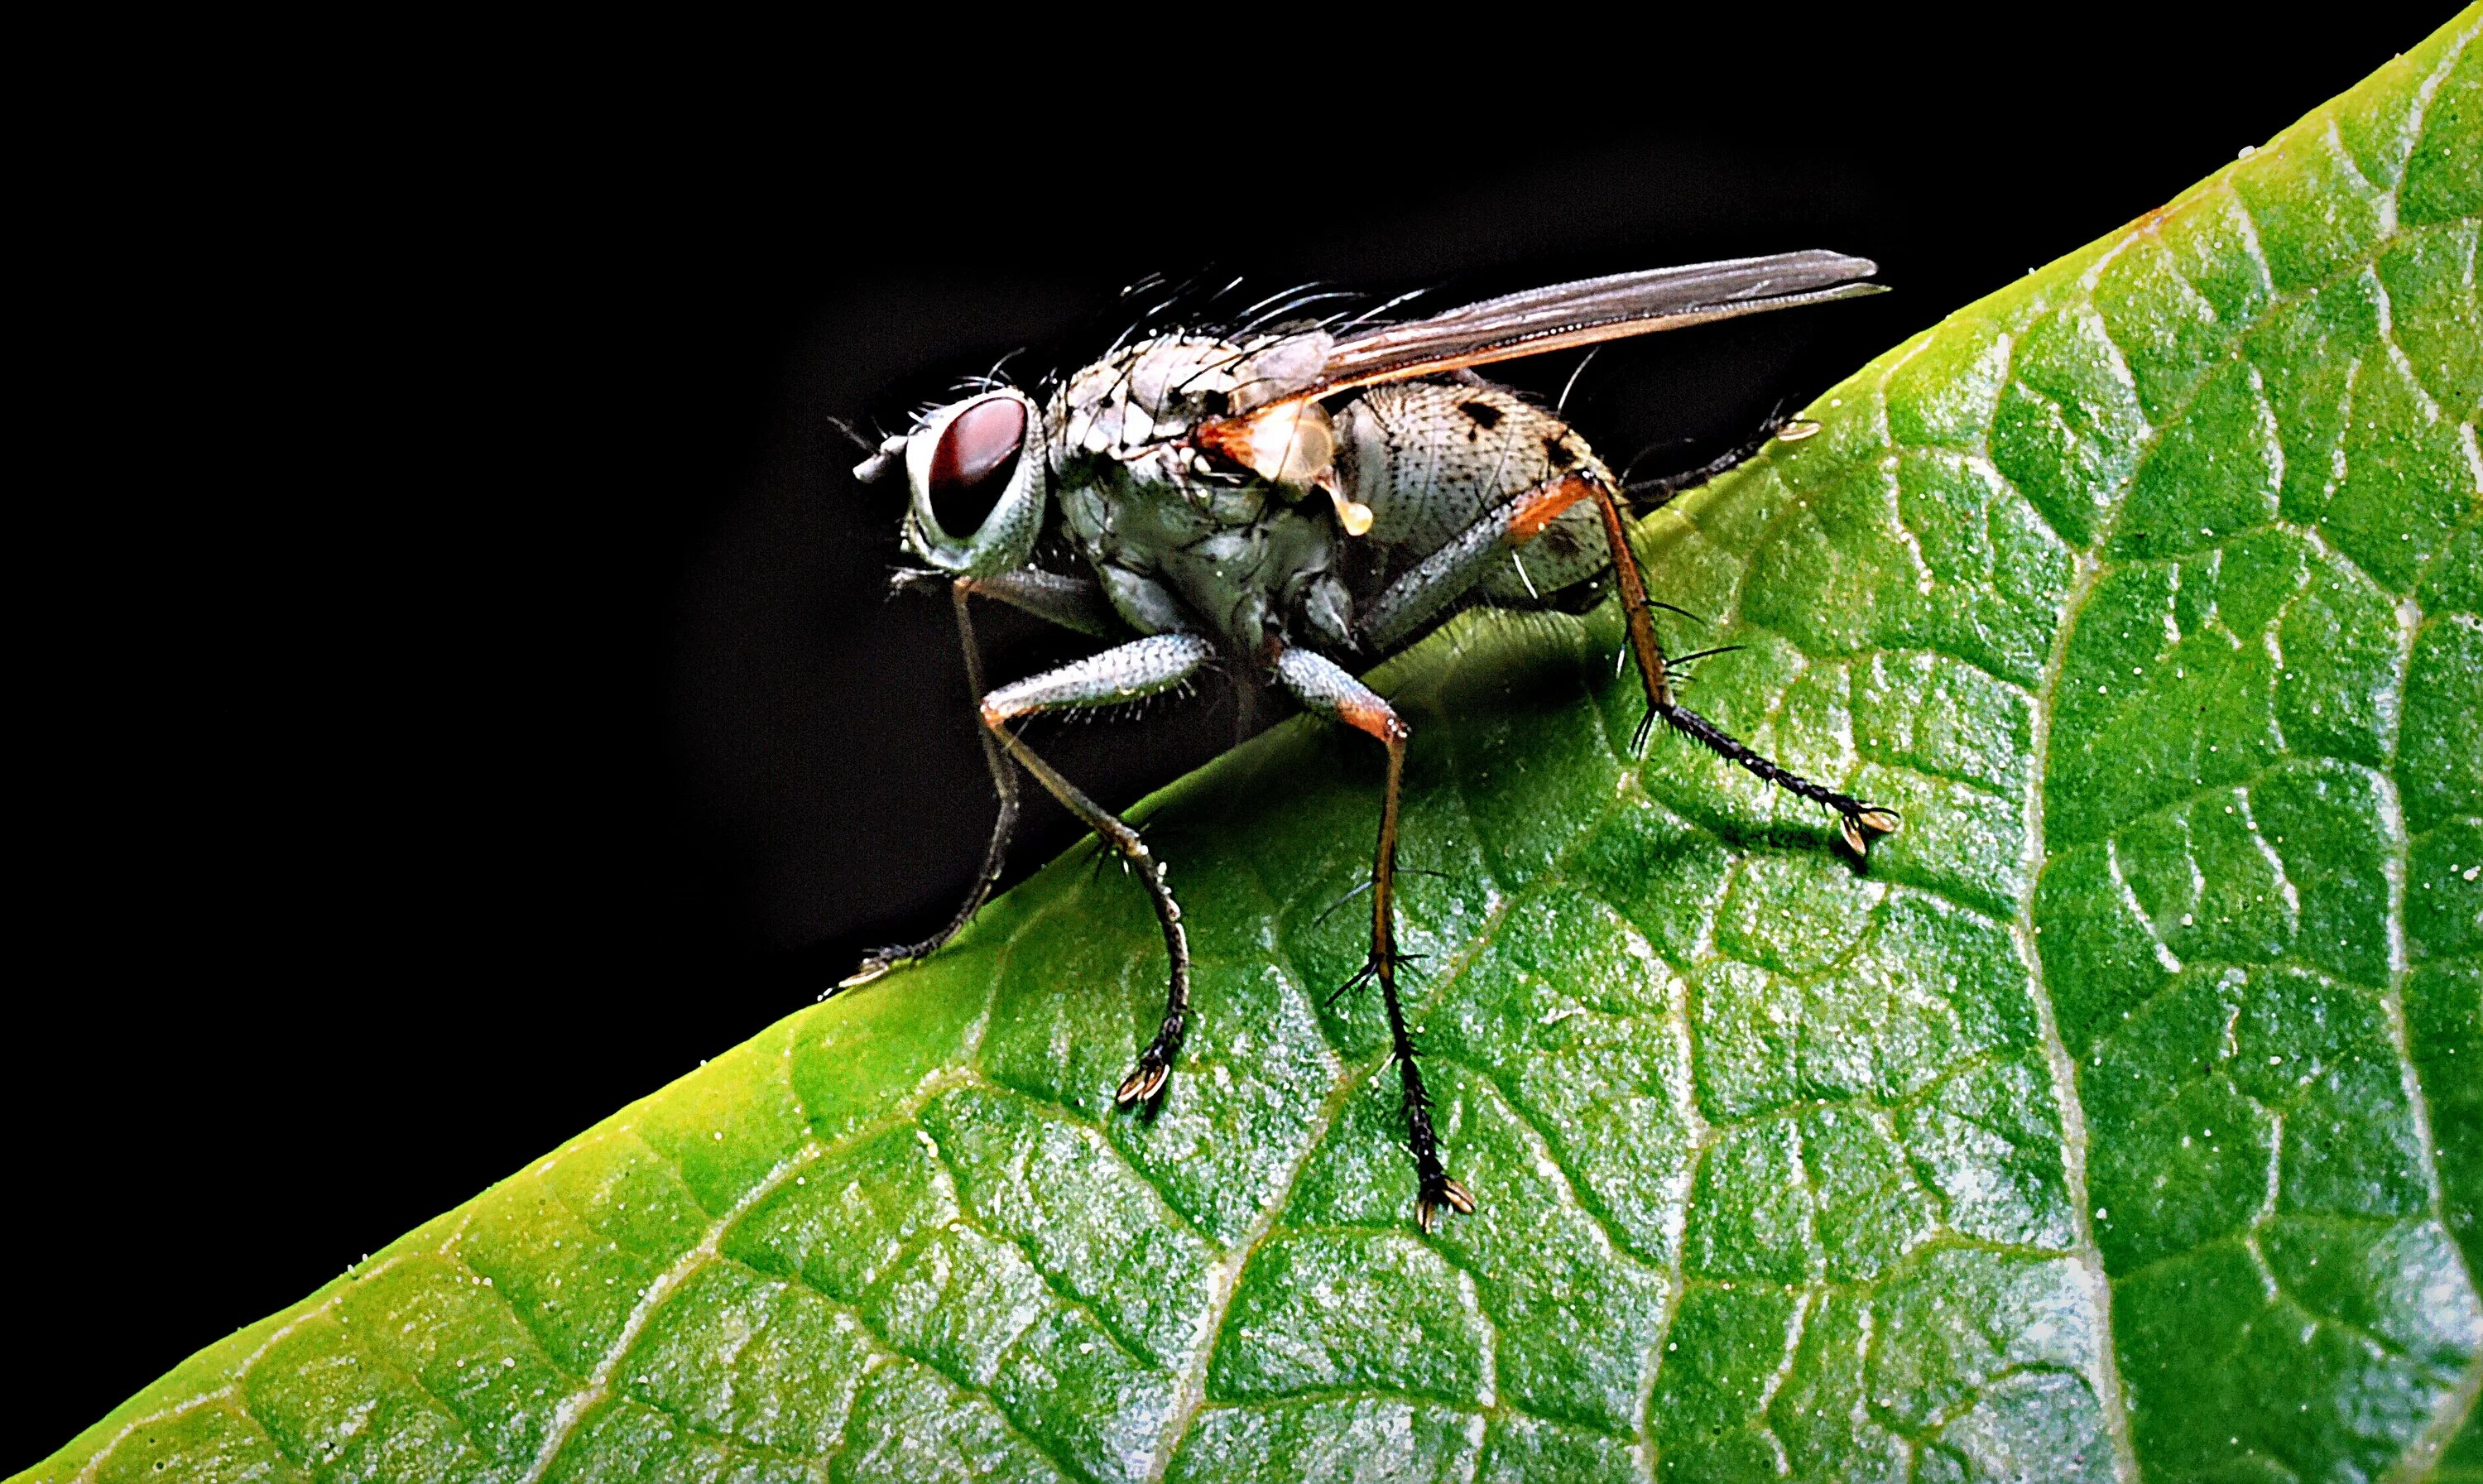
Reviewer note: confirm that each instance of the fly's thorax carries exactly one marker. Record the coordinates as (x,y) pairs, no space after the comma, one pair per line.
(1272,578)
(1133,511)
(1239,562)
(1159,390)
(1134,486)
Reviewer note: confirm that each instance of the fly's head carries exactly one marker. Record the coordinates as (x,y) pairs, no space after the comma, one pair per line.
(975,465)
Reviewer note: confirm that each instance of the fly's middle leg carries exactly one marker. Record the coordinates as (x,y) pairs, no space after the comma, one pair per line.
(1324,687)
(1143,666)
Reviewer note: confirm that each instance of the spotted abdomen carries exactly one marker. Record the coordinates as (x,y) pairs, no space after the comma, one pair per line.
(1429,458)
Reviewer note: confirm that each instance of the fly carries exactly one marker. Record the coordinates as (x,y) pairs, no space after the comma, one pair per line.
(1302,500)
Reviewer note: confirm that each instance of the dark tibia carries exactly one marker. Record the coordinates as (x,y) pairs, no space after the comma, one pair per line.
(1434,1190)
(1857,821)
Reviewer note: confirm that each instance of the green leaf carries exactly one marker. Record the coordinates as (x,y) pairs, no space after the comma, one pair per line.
(2124,1120)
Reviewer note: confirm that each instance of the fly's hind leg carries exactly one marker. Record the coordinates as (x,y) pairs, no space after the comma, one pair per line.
(1652,494)
(1326,689)
(1143,666)
(1858,822)
(1421,593)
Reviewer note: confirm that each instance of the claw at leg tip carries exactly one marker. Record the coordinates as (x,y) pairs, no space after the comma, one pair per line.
(872,968)
(1142,1084)
(1450,1195)
(1858,828)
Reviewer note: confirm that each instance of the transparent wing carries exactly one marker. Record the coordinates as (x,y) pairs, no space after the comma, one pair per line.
(1590,310)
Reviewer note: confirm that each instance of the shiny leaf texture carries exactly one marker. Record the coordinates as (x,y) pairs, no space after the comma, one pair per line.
(2124,1120)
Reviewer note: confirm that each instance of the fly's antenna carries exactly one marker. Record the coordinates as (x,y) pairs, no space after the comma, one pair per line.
(868,446)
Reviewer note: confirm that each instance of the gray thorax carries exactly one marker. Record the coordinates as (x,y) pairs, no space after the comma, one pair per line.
(1182,546)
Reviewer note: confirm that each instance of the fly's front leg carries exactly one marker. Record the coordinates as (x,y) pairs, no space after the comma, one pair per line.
(1143,666)
(1003,827)
(1325,688)
(1072,602)
(1858,822)
(1056,597)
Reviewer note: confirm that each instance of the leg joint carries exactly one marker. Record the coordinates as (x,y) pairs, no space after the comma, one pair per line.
(1544,504)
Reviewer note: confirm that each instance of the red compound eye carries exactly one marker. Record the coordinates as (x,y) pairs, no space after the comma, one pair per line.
(970,466)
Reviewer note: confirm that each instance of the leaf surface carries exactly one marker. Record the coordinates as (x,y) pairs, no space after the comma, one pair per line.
(2124,1120)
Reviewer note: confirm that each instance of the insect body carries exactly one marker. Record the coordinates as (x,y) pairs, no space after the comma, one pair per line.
(1303,501)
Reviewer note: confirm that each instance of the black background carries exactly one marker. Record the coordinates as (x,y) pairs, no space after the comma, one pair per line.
(458,679)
